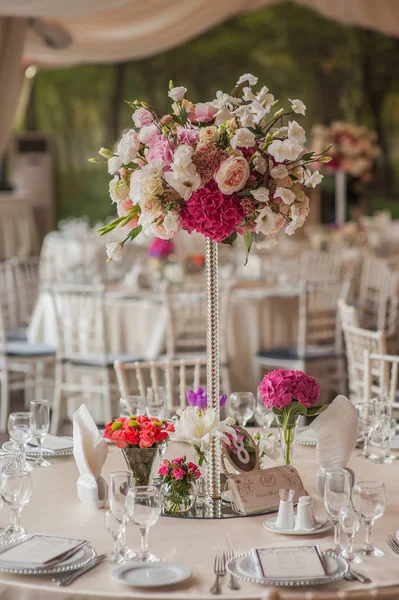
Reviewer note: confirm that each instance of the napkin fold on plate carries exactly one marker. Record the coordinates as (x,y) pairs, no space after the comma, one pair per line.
(336,431)
(90,452)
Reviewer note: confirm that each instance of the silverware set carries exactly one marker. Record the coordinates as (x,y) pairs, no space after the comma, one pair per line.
(64,579)
(219,568)
(393,543)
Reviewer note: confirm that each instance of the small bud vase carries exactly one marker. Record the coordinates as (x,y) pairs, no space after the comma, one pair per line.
(287,439)
(141,462)
(176,501)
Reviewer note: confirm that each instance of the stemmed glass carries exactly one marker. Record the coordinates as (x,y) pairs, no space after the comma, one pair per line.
(16,489)
(337,497)
(242,407)
(370,500)
(114,527)
(155,402)
(41,413)
(263,416)
(132,405)
(382,436)
(120,483)
(143,507)
(365,411)
(21,426)
(350,523)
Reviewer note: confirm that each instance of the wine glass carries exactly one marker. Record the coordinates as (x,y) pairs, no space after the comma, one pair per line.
(370,500)
(337,496)
(132,406)
(120,483)
(155,402)
(16,489)
(350,523)
(263,416)
(21,426)
(365,411)
(143,507)
(242,407)
(381,436)
(114,527)
(41,413)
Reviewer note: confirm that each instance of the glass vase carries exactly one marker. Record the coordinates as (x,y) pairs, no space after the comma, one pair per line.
(287,439)
(203,496)
(176,500)
(141,462)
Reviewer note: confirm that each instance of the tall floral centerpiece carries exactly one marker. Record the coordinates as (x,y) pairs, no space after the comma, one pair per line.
(290,394)
(225,168)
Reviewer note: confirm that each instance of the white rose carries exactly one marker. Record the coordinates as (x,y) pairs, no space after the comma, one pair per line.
(266,221)
(118,189)
(147,132)
(243,138)
(298,106)
(128,146)
(296,133)
(177,93)
(314,179)
(185,181)
(284,150)
(261,194)
(209,134)
(114,251)
(285,194)
(252,80)
(279,172)
(232,174)
(114,164)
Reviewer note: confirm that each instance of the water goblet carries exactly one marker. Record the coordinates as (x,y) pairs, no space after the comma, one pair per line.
(16,489)
(242,407)
(155,402)
(350,523)
(21,426)
(264,417)
(337,496)
(120,483)
(365,411)
(381,437)
(370,500)
(41,413)
(114,527)
(132,405)
(143,507)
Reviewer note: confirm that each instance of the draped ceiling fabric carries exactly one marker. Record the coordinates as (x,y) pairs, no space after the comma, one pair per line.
(121,30)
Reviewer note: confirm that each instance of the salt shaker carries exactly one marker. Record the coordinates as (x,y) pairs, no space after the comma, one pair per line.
(305,516)
(285,517)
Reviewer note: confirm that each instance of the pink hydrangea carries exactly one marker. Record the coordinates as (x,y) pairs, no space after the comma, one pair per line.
(212,213)
(187,136)
(161,148)
(280,387)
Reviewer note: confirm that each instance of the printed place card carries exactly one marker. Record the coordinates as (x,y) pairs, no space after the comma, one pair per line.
(290,562)
(258,491)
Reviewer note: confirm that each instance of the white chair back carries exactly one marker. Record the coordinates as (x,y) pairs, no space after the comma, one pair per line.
(26,279)
(315,266)
(348,314)
(8,301)
(381,376)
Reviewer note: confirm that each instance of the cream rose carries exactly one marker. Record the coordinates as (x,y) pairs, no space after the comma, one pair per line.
(152,187)
(209,134)
(232,174)
(150,204)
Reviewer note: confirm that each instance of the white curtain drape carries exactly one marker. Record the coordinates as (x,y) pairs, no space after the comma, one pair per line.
(12,34)
(119,30)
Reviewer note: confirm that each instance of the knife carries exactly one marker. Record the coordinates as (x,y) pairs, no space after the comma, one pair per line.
(70,578)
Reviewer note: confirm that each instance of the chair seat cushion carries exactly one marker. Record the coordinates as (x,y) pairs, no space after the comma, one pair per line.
(292,354)
(21,348)
(96,360)
(18,333)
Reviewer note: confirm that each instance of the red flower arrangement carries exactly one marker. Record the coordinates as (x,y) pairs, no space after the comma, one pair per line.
(140,431)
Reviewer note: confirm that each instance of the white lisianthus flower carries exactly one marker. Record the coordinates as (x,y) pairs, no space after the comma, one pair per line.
(252,80)
(259,164)
(182,157)
(221,99)
(243,138)
(114,164)
(185,181)
(248,94)
(128,146)
(282,150)
(285,194)
(245,116)
(279,172)
(314,179)
(266,221)
(147,132)
(146,220)
(177,93)
(198,427)
(172,222)
(118,189)
(153,169)
(297,221)
(258,110)
(261,194)
(262,94)
(296,133)
(114,251)
(223,115)
(298,106)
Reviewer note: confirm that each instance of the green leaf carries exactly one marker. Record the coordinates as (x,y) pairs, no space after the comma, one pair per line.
(316,410)
(231,239)
(133,234)
(247,244)
(307,156)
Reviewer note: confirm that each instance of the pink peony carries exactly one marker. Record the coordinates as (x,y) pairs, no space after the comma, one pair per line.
(202,113)
(178,474)
(142,117)
(280,387)
(212,213)
(187,136)
(160,147)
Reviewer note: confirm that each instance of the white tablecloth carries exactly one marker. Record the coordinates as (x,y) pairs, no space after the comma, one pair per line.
(55,509)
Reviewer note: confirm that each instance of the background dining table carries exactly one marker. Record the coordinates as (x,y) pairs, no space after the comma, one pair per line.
(55,509)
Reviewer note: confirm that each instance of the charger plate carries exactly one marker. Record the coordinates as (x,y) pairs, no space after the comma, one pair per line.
(244,567)
(33,451)
(78,560)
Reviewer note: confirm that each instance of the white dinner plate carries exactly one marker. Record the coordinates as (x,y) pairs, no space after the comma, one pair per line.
(244,567)
(32,451)
(322,524)
(150,575)
(78,560)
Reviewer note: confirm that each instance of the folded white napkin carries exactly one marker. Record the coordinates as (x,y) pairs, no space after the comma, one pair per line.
(90,452)
(336,431)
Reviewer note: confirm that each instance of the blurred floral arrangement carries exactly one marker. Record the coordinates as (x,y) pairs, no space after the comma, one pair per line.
(353,148)
(161,249)
(223,168)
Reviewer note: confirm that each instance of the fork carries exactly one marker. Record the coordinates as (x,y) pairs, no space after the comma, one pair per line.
(219,568)
(64,579)
(393,543)
(233,584)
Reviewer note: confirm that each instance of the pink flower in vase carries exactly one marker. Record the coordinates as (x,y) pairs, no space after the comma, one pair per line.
(178,474)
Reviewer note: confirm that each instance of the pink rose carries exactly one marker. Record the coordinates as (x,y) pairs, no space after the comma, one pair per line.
(160,147)
(147,439)
(178,474)
(202,113)
(187,136)
(142,117)
(163,470)
(119,438)
(232,174)
(177,461)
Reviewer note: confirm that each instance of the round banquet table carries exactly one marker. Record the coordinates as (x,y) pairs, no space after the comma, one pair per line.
(55,509)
